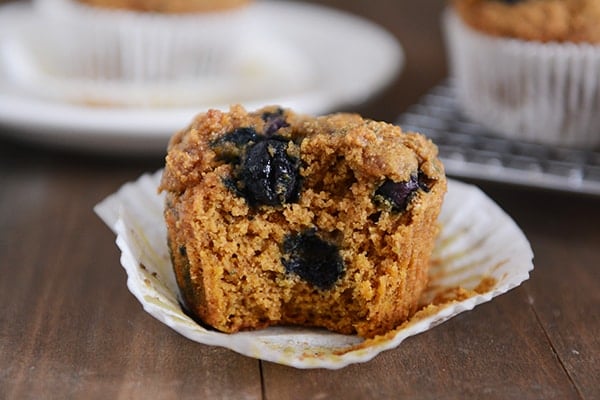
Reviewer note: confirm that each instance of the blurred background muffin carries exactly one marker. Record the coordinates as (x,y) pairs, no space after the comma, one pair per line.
(140,52)
(528,69)
(168,6)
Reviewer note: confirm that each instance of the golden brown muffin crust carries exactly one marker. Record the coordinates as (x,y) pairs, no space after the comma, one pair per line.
(167,6)
(536,20)
(227,254)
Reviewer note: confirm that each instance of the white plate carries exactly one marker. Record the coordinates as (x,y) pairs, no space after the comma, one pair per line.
(478,243)
(351,60)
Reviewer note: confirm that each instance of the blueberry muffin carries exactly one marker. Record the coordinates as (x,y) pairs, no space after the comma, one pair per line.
(537,20)
(277,218)
(527,70)
(167,6)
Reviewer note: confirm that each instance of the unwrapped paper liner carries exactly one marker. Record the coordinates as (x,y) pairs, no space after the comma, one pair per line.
(478,242)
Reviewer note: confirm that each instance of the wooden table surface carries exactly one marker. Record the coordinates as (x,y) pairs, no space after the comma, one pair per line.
(69,328)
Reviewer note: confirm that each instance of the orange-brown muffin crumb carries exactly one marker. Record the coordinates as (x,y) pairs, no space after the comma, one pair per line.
(277,218)
(167,6)
(537,20)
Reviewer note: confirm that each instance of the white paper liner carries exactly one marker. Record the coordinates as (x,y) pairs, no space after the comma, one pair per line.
(90,56)
(541,92)
(262,65)
(95,43)
(478,241)
(265,67)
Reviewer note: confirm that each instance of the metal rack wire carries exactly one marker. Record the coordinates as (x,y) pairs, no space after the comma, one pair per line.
(471,151)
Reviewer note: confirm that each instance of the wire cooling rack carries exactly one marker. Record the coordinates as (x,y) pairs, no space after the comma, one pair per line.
(469,150)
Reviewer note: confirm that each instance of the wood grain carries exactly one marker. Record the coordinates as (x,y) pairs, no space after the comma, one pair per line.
(69,327)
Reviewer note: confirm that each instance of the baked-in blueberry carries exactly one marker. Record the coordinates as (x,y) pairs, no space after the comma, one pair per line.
(240,136)
(313,259)
(230,146)
(424,182)
(398,194)
(274,121)
(268,174)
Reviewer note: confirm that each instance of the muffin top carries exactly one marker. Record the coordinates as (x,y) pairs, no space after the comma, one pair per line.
(167,6)
(576,21)
(374,150)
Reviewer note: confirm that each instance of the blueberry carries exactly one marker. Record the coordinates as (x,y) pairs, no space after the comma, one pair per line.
(274,121)
(240,136)
(263,171)
(399,194)
(423,181)
(229,146)
(268,174)
(313,259)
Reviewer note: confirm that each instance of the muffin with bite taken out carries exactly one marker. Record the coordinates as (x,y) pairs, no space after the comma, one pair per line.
(278,218)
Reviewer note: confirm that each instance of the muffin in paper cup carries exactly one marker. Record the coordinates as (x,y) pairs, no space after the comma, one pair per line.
(544,92)
(480,253)
(135,53)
